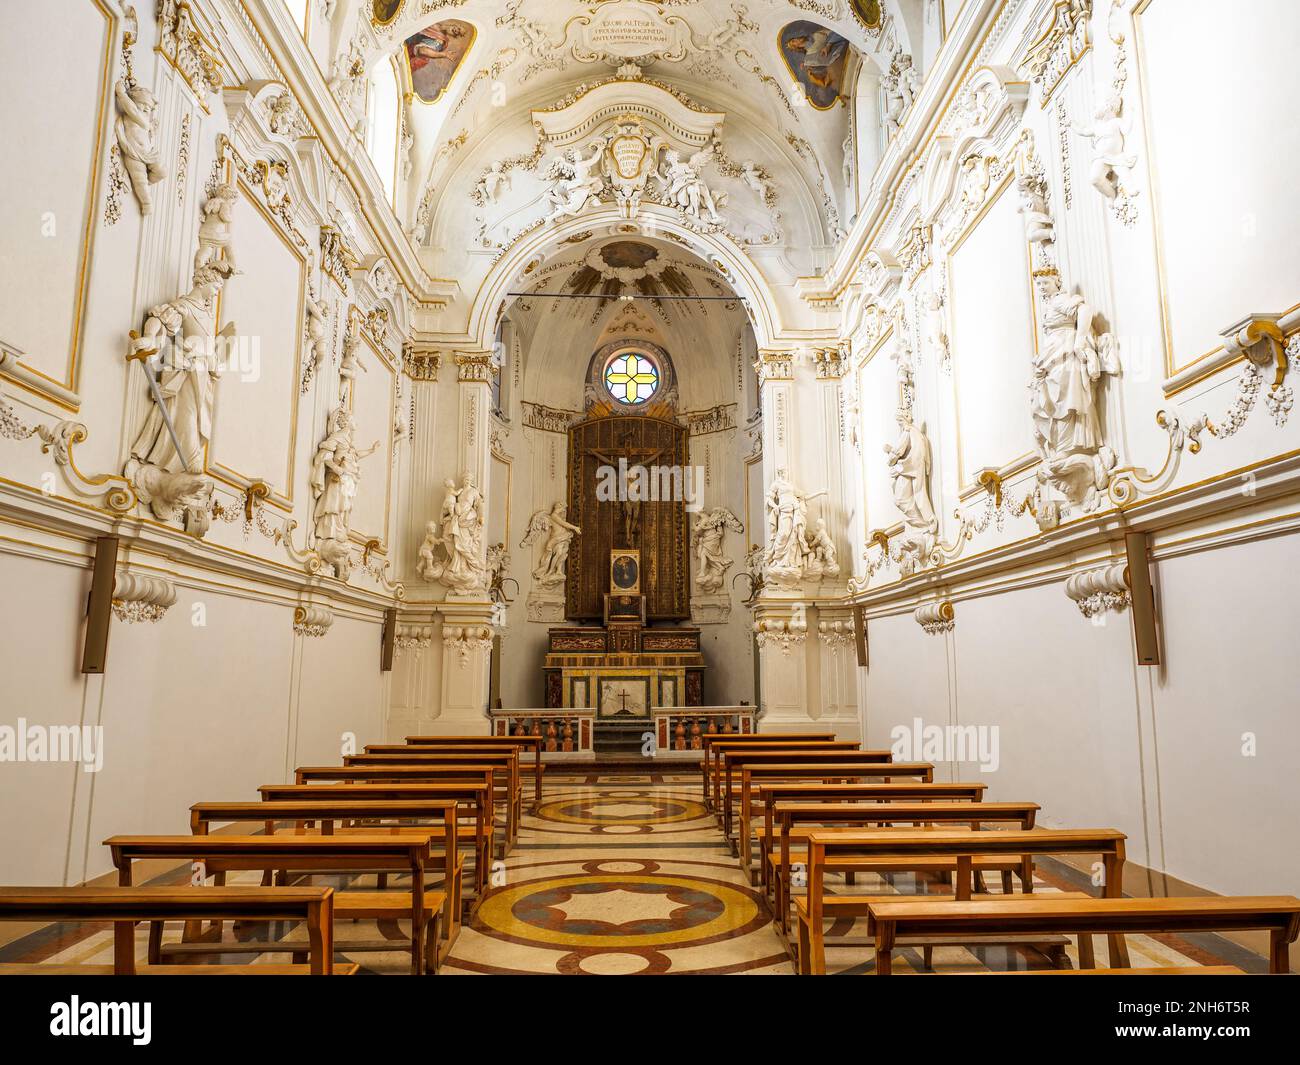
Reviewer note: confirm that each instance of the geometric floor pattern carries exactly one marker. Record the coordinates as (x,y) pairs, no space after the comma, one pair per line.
(628,874)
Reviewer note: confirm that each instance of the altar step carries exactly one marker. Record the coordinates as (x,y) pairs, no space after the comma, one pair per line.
(621,739)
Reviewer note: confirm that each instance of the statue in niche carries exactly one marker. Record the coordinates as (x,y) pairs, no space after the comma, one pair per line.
(910,465)
(575,182)
(820,553)
(1107,134)
(214,229)
(1040,228)
(335,478)
(550,570)
(459,536)
(137,140)
(168,453)
(685,187)
(495,182)
(1063,398)
(707,539)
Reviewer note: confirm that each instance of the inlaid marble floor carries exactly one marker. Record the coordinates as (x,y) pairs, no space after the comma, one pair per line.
(625,874)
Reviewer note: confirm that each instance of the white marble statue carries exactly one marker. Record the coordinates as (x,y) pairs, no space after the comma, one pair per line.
(787,525)
(215,226)
(1064,399)
(910,465)
(137,140)
(711,563)
(495,182)
(335,478)
(909,81)
(452,551)
(186,376)
(318,344)
(685,187)
(1111,164)
(936,327)
(893,103)
(1040,228)
(821,560)
(753,176)
(575,182)
(351,361)
(550,570)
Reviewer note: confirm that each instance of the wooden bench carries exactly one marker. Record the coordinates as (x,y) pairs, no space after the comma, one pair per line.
(711,743)
(864,851)
(812,765)
(402,774)
(476,797)
(522,743)
(506,762)
(377,853)
(45,969)
(768,793)
(203,815)
(789,815)
(1196,970)
(126,906)
(718,752)
(1279,915)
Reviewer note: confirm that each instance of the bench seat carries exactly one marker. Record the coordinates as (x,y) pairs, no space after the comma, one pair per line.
(39,969)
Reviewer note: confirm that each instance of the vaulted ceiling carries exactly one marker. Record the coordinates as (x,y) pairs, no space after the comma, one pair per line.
(780,70)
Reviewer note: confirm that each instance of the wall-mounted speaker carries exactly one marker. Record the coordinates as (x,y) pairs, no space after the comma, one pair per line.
(1145,629)
(860,634)
(99,606)
(388,640)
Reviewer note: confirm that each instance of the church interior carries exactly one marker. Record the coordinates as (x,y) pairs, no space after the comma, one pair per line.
(612,487)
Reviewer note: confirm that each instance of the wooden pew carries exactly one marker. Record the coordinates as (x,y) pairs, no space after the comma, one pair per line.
(475,795)
(507,762)
(713,770)
(713,742)
(768,793)
(125,906)
(744,769)
(378,853)
(203,815)
(1279,915)
(788,815)
(858,851)
(401,774)
(523,743)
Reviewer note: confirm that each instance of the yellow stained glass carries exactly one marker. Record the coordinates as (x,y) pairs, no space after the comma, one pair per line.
(631,378)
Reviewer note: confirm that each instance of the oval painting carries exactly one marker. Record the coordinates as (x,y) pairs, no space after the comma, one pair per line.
(815,57)
(382,12)
(434,55)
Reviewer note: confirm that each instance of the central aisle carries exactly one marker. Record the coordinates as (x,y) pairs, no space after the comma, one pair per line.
(617,874)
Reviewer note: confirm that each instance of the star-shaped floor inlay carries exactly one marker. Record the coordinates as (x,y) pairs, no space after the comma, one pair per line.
(625,809)
(618,906)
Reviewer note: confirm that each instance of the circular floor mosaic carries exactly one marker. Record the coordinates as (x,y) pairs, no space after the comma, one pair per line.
(621,811)
(619,912)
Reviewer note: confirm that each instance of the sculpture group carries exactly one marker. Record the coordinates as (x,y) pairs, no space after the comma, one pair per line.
(793,553)
(452,551)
